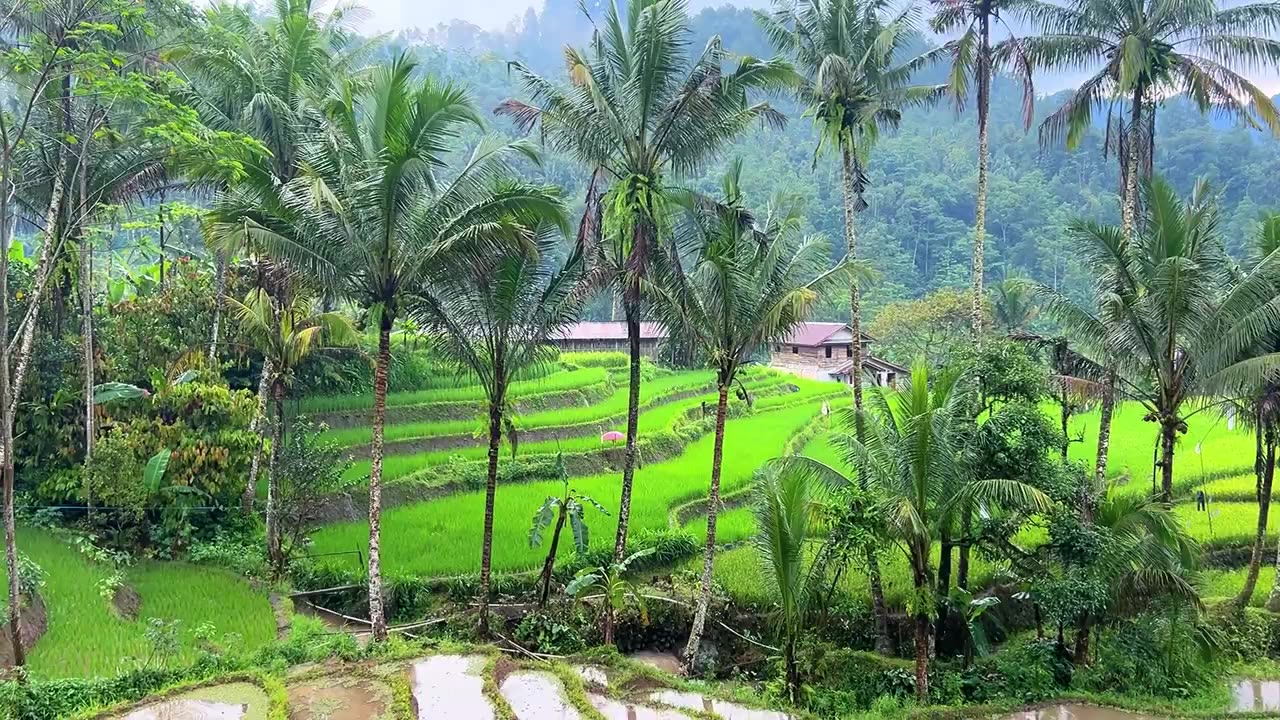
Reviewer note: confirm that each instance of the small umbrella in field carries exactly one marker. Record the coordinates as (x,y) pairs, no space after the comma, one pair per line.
(612,436)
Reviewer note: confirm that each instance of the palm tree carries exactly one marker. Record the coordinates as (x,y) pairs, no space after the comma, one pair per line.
(1148,50)
(745,286)
(1260,408)
(847,53)
(494,320)
(285,336)
(1174,316)
(267,78)
(971,55)
(373,215)
(784,512)
(639,112)
(910,455)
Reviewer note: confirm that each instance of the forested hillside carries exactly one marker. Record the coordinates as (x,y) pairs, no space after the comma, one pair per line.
(917,230)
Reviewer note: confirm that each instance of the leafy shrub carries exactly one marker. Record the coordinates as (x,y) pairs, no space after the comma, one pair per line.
(561,630)
(1025,670)
(1165,652)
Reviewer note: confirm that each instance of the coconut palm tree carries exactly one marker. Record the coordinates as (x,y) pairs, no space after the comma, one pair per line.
(267,78)
(1173,315)
(640,113)
(910,453)
(1259,407)
(494,320)
(972,56)
(785,515)
(1148,50)
(285,336)
(732,286)
(848,54)
(380,205)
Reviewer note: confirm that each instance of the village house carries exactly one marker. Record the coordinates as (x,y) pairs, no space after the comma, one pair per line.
(824,351)
(597,336)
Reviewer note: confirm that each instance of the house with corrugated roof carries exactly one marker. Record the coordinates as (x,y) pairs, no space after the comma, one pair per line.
(824,351)
(589,336)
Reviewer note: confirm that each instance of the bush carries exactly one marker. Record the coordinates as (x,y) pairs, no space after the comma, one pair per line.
(1158,653)
(562,630)
(1025,670)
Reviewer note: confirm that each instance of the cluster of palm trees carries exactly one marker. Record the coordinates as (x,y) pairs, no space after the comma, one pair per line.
(359,199)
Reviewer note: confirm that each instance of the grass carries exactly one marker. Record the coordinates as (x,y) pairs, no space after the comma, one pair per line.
(554,382)
(611,407)
(653,420)
(738,571)
(442,537)
(1225,522)
(1227,583)
(1222,451)
(86,638)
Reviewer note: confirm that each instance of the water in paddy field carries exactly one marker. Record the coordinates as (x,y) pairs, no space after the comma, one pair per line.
(1078,712)
(1256,696)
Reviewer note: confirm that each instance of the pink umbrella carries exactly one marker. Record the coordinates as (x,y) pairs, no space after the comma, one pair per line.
(612,436)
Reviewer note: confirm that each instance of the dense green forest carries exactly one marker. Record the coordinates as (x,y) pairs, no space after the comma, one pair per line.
(918,229)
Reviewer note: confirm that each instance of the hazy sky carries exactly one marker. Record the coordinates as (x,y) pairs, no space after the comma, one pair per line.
(390,15)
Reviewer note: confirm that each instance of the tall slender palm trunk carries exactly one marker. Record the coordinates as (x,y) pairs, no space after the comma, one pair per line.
(980,216)
(922,627)
(849,171)
(490,494)
(86,322)
(274,552)
(709,553)
(255,427)
(377,618)
(219,299)
(11,386)
(6,418)
(633,422)
(1129,225)
(1267,476)
(1168,441)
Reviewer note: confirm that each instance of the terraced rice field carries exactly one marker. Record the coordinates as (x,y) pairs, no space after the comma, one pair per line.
(87,638)
(656,418)
(441,537)
(553,382)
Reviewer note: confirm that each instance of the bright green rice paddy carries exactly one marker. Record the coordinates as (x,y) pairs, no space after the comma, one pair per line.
(442,537)
(87,638)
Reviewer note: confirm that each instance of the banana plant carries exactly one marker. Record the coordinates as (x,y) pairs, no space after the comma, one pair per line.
(568,507)
(971,609)
(615,589)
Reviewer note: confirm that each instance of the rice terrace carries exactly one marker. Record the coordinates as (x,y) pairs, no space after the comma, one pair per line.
(639,360)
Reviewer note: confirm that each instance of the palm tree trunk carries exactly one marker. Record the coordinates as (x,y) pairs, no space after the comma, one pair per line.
(377,619)
(86,327)
(980,218)
(1259,538)
(851,202)
(219,295)
(6,417)
(709,554)
(966,542)
(850,171)
(490,494)
(9,391)
(255,427)
(273,483)
(922,656)
(633,421)
(1168,437)
(1104,427)
(548,567)
(1129,203)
